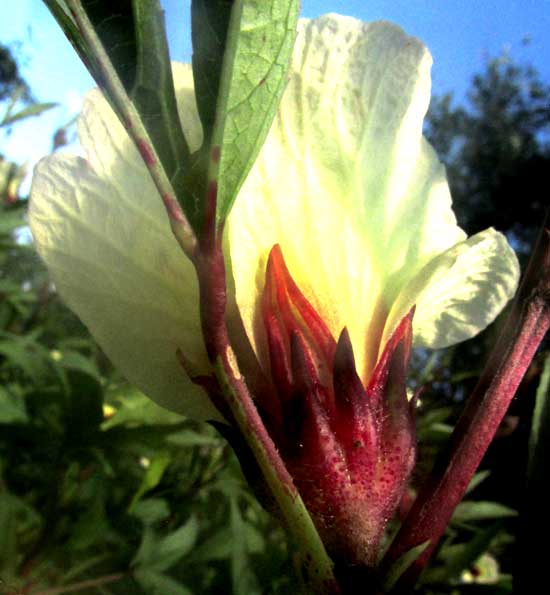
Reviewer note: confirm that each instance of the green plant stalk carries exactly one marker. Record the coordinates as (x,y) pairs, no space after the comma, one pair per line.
(136,129)
(316,566)
(524,330)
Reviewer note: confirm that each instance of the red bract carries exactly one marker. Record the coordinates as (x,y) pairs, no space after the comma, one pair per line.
(349,447)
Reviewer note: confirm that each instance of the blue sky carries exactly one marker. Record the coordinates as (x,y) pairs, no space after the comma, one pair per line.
(459,33)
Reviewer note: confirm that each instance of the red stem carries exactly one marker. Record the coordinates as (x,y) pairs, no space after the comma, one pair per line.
(210,265)
(525,328)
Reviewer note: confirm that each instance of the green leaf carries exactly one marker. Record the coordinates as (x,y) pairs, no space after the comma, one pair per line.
(134,36)
(90,527)
(28,112)
(172,548)
(152,476)
(477,479)
(156,583)
(133,408)
(401,565)
(461,556)
(243,579)
(151,510)
(132,32)
(477,511)
(10,221)
(159,554)
(73,360)
(12,408)
(209,23)
(531,557)
(153,92)
(188,438)
(255,58)
(540,427)
(28,356)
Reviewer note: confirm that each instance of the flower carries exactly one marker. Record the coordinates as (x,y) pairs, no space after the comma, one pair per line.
(358,208)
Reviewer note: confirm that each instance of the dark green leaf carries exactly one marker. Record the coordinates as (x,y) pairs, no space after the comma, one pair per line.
(73,360)
(28,356)
(478,478)
(172,548)
(540,427)
(243,579)
(401,565)
(114,24)
(12,408)
(156,583)
(153,92)
(153,475)
(476,511)
(209,24)
(133,35)
(187,438)
(132,407)
(151,510)
(535,520)
(462,556)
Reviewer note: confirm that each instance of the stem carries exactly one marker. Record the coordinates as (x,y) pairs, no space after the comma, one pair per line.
(89,584)
(136,129)
(317,566)
(525,328)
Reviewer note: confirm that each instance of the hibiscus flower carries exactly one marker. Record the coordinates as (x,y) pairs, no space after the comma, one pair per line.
(344,222)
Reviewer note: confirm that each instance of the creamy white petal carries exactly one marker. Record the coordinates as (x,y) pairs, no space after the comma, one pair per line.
(101,229)
(460,292)
(345,182)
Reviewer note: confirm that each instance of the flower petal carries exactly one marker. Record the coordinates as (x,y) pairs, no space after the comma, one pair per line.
(459,292)
(101,229)
(345,183)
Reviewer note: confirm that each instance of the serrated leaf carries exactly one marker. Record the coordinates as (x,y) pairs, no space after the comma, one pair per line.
(258,47)
(477,511)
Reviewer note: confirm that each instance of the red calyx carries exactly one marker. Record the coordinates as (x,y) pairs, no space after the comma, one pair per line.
(350,449)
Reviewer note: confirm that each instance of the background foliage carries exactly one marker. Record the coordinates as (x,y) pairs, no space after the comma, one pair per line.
(103,492)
